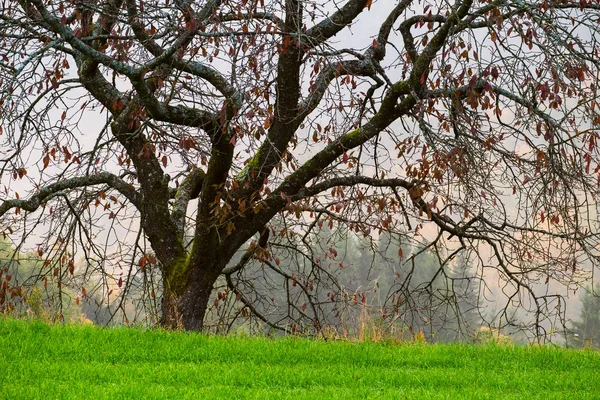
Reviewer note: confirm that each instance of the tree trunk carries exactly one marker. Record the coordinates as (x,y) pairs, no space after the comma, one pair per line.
(185,302)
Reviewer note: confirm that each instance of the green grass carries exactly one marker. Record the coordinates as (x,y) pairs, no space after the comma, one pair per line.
(38,361)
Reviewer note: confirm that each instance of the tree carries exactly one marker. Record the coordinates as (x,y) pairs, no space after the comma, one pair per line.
(44,299)
(128,124)
(429,295)
(586,331)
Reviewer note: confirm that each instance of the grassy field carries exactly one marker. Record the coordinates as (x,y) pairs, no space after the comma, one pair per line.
(38,361)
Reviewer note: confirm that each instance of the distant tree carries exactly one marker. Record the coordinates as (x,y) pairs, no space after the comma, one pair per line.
(586,331)
(125,124)
(431,294)
(25,290)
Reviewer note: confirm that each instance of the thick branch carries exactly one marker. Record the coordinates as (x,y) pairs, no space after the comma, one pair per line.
(285,118)
(208,73)
(108,18)
(164,55)
(68,35)
(95,82)
(189,189)
(378,51)
(180,115)
(49,191)
(329,27)
(415,190)
(157,222)
(388,112)
(255,15)
(421,64)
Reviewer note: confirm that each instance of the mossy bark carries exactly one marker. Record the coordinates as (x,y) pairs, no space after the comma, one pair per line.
(188,283)
(186,292)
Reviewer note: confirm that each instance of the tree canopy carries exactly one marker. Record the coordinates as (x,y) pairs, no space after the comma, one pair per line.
(156,140)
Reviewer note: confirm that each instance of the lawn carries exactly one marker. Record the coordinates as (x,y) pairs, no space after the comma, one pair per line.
(38,361)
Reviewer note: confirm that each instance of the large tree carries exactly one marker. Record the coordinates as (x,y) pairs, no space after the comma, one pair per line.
(476,119)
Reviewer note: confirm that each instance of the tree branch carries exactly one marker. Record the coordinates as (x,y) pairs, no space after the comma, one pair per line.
(352,181)
(208,73)
(68,35)
(285,116)
(73,183)
(189,189)
(349,67)
(421,64)
(251,307)
(378,51)
(329,27)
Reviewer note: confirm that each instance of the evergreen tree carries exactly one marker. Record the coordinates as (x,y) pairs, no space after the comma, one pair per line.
(586,331)
(425,297)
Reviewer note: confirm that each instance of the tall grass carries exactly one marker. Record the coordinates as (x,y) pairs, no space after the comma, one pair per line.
(38,361)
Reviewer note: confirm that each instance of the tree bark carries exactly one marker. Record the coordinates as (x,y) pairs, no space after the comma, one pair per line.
(185,302)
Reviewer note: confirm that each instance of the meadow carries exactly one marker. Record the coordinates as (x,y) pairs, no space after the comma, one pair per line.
(40,361)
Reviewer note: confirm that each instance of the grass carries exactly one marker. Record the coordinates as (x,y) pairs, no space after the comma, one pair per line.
(38,361)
